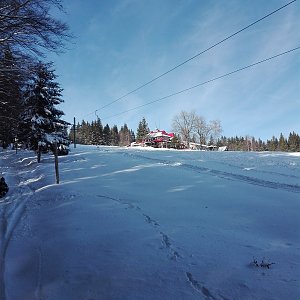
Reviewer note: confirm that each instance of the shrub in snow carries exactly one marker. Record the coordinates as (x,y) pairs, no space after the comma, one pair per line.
(3,187)
(263,264)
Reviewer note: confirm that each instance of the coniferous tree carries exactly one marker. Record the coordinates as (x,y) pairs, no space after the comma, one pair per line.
(272,145)
(84,132)
(114,136)
(282,143)
(261,146)
(41,123)
(79,134)
(98,132)
(10,97)
(124,135)
(294,142)
(142,130)
(132,136)
(106,135)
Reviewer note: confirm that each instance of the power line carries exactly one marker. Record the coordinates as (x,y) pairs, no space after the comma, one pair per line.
(205,82)
(191,58)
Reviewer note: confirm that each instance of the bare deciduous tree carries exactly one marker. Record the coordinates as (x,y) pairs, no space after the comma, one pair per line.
(184,125)
(28,25)
(27,28)
(201,129)
(188,125)
(214,130)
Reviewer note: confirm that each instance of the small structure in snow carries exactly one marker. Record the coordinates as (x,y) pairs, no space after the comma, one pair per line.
(197,146)
(223,148)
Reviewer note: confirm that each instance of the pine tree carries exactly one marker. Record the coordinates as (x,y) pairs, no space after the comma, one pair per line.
(282,144)
(98,132)
(41,121)
(114,136)
(84,132)
(142,130)
(132,136)
(272,145)
(106,135)
(294,142)
(124,135)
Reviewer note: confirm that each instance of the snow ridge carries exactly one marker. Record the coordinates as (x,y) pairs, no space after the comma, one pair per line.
(294,188)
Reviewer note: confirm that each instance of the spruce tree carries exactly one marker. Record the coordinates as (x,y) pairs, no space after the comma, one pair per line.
(41,122)
(10,97)
(132,136)
(142,130)
(106,135)
(124,135)
(98,132)
(114,136)
(294,142)
(282,144)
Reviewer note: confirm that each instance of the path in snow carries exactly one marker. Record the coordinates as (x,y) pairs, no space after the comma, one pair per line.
(11,208)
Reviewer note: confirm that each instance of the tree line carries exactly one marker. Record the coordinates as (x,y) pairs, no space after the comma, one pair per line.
(191,127)
(290,144)
(188,128)
(29,91)
(94,133)
(185,125)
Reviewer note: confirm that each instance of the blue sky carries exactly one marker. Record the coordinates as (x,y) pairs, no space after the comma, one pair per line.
(123,44)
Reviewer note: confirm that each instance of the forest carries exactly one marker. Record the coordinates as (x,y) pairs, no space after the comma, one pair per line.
(29,91)
(283,144)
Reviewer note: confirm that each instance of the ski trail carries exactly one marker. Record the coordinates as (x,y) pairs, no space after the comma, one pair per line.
(11,211)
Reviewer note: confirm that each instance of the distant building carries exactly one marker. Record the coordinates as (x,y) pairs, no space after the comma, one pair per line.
(159,139)
(197,146)
(223,148)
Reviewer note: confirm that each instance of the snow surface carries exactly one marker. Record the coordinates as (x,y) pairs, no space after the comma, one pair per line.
(126,223)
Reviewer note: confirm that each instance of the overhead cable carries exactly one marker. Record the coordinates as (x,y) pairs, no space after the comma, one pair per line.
(193,57)
(205,82)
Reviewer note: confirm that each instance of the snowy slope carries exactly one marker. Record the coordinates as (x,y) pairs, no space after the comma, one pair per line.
(134,224)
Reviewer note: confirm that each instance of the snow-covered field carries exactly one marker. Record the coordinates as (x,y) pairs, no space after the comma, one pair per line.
(129,223)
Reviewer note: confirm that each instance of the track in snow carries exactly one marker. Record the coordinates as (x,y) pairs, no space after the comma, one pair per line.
(225,175)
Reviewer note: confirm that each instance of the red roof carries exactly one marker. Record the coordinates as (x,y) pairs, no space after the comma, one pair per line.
(159,133)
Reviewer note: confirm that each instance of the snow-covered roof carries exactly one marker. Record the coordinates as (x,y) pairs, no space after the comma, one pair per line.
(159,133)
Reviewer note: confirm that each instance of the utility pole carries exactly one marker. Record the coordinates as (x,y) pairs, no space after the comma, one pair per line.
(74,132)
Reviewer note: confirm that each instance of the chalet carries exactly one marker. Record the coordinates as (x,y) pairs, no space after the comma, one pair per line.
(159,139)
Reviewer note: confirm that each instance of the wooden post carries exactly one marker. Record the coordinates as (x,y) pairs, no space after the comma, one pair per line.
(39,154)
(56,162)
(16,145)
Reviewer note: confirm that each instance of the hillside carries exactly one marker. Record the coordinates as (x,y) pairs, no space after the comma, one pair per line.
(129,223)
